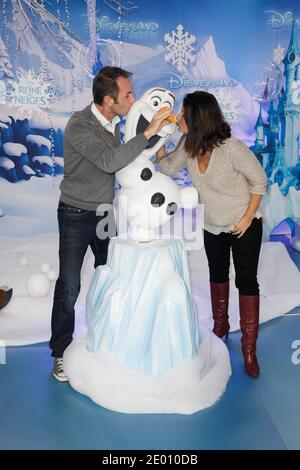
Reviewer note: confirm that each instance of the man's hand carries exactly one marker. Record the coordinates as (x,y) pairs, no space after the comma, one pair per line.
(159,120)
(240,228)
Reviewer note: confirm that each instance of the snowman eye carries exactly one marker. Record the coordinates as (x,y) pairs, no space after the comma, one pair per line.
(156,101)
(146,174)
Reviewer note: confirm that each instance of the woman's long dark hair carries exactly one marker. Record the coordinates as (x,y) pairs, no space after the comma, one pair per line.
(206,125)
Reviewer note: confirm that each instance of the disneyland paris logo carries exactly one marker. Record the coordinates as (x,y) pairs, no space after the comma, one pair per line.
(176,81)
(127,29)
(222,89)
(278,20)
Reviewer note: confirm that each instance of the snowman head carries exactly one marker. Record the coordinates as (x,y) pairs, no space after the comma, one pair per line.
(142,112)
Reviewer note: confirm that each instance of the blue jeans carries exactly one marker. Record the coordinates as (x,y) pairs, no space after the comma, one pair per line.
(77,231)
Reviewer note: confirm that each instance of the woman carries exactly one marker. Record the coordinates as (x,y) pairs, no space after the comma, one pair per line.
(231,183)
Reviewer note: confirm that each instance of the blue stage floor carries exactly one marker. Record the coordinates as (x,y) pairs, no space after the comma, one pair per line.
(37,412)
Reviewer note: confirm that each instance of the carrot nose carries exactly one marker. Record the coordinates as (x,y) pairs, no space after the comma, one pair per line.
(170,118)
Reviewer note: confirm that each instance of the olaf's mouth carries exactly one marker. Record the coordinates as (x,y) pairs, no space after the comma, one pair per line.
(142,126)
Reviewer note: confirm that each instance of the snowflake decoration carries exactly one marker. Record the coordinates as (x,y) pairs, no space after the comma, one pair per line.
(228,103)
(31,93)
(180,49)
(278,54)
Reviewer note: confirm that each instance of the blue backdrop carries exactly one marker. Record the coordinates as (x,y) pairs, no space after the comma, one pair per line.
(246,52)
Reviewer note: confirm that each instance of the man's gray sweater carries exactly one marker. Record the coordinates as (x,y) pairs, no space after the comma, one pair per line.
(91,157)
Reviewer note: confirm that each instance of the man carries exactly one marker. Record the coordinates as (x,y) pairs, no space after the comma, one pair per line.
(92,155)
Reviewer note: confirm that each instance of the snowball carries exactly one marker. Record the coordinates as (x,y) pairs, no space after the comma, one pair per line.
(52,275)
(1,213)
(45,267)
(23,261)
(38,285)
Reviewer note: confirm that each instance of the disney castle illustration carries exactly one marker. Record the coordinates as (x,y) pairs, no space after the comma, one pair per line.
(278,140)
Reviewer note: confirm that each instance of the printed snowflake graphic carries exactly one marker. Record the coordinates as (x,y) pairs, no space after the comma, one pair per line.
(31,94)
(228,102)
(180,49)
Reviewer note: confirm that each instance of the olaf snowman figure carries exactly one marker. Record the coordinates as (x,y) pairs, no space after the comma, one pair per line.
(147,197)
(144,351)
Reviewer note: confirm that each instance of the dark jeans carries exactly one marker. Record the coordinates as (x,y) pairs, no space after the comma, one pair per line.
(77,231)
(245,252)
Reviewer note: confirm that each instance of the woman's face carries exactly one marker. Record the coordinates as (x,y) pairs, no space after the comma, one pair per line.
(181,122)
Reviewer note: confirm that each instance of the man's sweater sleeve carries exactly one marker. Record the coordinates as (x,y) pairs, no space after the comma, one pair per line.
(84,139)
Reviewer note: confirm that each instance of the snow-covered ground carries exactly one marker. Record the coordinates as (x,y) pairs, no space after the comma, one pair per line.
(26,320)
(29,206)
(278,277)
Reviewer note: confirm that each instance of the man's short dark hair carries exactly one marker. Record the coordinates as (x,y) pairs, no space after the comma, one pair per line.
(105,83)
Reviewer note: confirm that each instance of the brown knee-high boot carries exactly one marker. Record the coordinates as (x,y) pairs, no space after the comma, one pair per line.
(219,293)
(249,318)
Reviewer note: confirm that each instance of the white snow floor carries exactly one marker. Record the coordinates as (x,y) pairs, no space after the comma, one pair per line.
(26,320)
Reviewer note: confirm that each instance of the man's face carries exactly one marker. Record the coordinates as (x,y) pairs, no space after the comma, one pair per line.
(125,97)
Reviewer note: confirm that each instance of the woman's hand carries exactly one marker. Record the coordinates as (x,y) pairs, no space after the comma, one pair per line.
(240,228)
(160,154)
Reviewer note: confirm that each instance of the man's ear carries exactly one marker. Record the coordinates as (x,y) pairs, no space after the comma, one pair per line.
(108,101)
